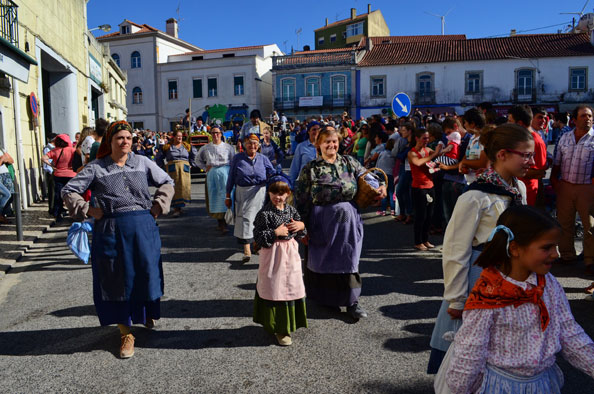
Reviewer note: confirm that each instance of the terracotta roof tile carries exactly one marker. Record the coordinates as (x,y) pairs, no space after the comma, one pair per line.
(332,50)
(404,39)
(520,46)
(342,21)
(143,29)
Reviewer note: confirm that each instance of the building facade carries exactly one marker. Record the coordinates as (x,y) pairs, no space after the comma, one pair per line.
(316,82)
(44,81)
(219,84)
(550,70)
(138,49)
(349,32)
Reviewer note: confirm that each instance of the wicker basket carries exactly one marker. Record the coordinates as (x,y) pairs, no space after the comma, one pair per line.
(367,195)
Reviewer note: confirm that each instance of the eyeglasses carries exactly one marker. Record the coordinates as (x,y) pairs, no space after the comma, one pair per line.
(527,156)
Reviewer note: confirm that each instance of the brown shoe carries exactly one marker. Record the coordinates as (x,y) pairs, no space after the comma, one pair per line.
(127,347)
(284,339)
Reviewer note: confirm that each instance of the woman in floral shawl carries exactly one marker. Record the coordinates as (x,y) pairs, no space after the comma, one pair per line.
(324,195)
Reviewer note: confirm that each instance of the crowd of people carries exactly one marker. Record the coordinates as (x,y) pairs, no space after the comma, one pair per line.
(480,178)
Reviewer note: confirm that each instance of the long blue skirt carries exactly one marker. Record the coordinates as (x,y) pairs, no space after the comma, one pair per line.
(335,240)
(445,323)
(127,268)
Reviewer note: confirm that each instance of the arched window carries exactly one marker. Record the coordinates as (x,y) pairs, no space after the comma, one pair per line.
(135,59)
(116,58)
(137,95)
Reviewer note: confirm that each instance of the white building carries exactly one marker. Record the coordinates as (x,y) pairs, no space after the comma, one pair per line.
(551,70)
(224,84)
(138,49)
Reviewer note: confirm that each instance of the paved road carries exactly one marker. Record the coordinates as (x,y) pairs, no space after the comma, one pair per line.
(50,340)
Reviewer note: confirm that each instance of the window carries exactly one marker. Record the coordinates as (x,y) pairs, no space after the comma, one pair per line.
(138,125)
(312,86)
(338,87)
(197,57)
(212,87)
(116,59)
(474,82)
(355,29)
(288,89)
(425,84)
(378,85)
(578,79)
(125,29)
(228,55)
(197,88)
(344,35)
(333,38)
(321,40)
(525,82)
(135,59)
(172,87)
(238,85)
(137,95)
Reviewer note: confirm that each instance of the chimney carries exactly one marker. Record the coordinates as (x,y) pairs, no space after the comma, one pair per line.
(171,27)
(353,13)
(369,8)
(326,21)
(306,48)
(512,32)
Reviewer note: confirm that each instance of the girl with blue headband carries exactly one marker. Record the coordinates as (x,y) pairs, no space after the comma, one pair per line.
(517,317)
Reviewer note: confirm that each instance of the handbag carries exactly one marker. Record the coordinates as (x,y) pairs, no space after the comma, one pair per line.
(367,191)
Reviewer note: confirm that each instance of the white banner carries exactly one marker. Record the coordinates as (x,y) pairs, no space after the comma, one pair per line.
(312,101)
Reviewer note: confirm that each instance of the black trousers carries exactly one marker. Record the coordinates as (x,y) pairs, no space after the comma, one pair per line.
(423,203)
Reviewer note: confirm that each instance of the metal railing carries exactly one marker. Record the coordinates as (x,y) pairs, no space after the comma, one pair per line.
(328,101)
(9,22)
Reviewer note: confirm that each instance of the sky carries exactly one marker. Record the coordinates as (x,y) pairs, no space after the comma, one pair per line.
(226,24)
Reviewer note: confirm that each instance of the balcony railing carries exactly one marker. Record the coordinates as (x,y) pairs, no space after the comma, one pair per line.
(423,98)
(523,95)
(328,101)
(314,60)
(9,22)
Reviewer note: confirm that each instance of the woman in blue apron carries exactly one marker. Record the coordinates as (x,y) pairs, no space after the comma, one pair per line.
(126,249)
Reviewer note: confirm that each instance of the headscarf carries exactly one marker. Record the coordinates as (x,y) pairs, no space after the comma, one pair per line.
(113,129)
(279,177)
(65,138)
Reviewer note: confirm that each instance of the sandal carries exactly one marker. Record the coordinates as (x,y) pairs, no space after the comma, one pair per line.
(589,289)
(399,218)
(420,247)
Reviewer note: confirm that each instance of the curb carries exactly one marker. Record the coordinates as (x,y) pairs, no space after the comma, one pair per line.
(6,264)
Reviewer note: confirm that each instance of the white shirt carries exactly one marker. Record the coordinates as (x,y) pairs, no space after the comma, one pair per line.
(473,152)
(85,147)
(475,216)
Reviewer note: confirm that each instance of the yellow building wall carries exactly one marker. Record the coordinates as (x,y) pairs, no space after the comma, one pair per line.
(377,26)
(60,25)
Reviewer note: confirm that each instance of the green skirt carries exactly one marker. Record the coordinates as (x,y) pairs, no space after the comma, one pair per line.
(280,317)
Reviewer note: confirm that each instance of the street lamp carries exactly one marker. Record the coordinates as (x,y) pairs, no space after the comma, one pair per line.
(105,28)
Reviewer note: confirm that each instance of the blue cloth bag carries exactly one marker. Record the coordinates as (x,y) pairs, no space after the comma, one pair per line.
(78,240)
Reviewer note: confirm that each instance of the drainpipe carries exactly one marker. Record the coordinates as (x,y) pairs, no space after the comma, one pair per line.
(19,143)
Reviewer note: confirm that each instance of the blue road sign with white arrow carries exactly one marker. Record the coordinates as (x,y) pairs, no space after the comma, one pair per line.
(401,105)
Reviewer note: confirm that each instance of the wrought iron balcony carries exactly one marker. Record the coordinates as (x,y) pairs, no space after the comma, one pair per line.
(523,95)
(328,101)
(9,22)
